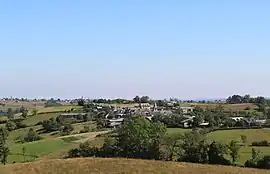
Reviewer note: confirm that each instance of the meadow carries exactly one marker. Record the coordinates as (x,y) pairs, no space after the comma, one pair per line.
(225,136)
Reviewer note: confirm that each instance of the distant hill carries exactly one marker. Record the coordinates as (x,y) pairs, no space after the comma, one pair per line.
(119,165)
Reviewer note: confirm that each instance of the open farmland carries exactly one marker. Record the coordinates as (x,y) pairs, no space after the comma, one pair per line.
(227,107)
(119,165)
(38,148)
(57,108)
(225,136)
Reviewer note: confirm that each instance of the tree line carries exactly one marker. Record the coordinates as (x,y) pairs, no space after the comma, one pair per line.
(237,99)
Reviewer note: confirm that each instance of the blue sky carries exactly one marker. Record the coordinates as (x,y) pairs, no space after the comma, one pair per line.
(185,49)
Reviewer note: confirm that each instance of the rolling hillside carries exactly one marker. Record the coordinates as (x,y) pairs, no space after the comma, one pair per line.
(102,166)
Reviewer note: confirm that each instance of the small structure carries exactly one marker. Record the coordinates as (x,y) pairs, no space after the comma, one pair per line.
(114,122)
(237,118)
(72,115)
(187,109)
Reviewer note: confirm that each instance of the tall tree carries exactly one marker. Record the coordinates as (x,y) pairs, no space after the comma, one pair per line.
(217,153)
(139,138)
(137,99)
(171,146)
(4,151)
(244,139)
(10,114)
(34,112)
(195,148)
(234,150)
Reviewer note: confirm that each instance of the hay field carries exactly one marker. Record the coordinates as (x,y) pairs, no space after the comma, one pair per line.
(119,165)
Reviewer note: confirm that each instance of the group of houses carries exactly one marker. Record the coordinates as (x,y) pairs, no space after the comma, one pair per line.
(117,117)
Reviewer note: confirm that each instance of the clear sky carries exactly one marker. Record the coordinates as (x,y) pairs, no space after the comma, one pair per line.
(102,48)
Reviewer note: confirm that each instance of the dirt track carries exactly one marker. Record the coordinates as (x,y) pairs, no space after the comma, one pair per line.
(88,136)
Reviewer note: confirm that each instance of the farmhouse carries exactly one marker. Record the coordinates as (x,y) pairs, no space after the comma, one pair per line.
(114,122)
(72,115)
(187,109)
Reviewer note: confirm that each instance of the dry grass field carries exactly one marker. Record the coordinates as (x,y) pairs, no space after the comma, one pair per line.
(102,166)
(233,107)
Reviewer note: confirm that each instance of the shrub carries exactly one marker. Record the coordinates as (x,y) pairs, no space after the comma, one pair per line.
(19,125)
(247,108)
(264,163)
(70,139)
(261,143)
(10,125)
(32,136)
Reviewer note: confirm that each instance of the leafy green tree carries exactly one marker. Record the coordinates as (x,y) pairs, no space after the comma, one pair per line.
(4,150)
(144,99)
(137,99)
(23,152)
(24,113)
(255,154)
(264,163)
(219,108)
(4,154)
(51,125)
(244,139)
(171,147)
(138,138)
(195,147)
(197,120)
(68,128)
(10,114)
(268,114)
(234,150)
(10,125)
(32,136)
(217,153)
(34,112)
(81,102)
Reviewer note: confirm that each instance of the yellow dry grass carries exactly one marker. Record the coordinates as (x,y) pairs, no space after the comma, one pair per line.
(233,107)
(102,166)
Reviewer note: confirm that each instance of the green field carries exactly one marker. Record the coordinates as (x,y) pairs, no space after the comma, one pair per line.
(79,126)
(57,108)
(225,136)
(40,117)
(252,135)
(171,131)
(38,148)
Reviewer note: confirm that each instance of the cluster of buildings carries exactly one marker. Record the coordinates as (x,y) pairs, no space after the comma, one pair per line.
(117,117)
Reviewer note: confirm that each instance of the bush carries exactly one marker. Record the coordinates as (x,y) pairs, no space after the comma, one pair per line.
(70,139)
(32,136)
(261,143)
(19,125)
(51,103)
(247,108)
(264,163)
(86,129)
(251,163)
(10,125)
(38,123)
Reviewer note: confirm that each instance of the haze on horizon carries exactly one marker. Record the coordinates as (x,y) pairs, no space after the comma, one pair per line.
(183,49)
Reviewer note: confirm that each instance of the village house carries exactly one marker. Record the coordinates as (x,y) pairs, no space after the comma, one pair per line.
(187,109)
(72,115)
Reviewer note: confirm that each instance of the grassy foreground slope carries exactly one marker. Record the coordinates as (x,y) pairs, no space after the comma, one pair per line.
(101,165)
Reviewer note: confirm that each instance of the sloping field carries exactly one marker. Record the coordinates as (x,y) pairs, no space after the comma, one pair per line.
(102,166)
(233,107)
